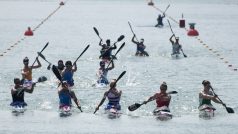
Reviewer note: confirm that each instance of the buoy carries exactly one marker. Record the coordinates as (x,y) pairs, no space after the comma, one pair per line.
(229,65)
(235,69)
(182,22)
(1,54)
(28,32)
(192,31)
(61,3)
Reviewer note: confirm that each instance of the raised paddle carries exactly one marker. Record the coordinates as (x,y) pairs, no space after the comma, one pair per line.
(43,57)
(40,52)
(59,77)
(118,40)
(123,44)
(82,53)
(120,76)
(184,55)
(96,31)
(133,31)
(228,109)
(137,105)
(166,9)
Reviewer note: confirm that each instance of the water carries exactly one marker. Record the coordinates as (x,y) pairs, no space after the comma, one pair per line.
(69,31)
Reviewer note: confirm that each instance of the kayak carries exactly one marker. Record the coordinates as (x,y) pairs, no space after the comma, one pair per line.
(206,111)
(162,113)
(18,107)
(112,111)
(65,111)
(176,56)
(101,85)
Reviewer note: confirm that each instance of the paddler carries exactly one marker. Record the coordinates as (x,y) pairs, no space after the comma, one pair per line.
(18,93)
(206,95)
(113,96)
(27,71)
(106,52)
(102,72)
(176,47)
(140,51)
(162,99)
(160,20)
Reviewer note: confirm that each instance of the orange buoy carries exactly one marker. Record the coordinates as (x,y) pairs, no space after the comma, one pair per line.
(28,32)
(192,31)
(61,3)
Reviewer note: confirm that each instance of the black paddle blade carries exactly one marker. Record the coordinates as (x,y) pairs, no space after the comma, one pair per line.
(44,47)
(42,79)
(134,107)
(96,31)
(120,48)
(82,53)
(229,110)
(41,55)
(56,72)
(120,76)
(120,38)
(172,92)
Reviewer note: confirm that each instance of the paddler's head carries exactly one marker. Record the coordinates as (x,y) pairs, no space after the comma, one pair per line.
(64,84)
(206,84)
(17,81)
(113,83)
(26,61)
(102,64)
(142,40)
(163,87)
(68,64)
(60,65)
(108,42)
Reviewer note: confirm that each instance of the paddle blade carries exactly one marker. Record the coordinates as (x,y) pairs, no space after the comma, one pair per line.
(120,38)
(120,76)
(44,47)
(82,53)
(172,92)
(41,55)
(42,79)
(96,31)
(56,72)
(120,48)
(134,107)
(229,110)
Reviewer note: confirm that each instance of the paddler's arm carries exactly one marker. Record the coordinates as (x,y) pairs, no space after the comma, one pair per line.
(100,42)
(110,68)
(31,89)
(133,39)
(170,39)
(150,99)
(102,101)
(74,67)
(38,64)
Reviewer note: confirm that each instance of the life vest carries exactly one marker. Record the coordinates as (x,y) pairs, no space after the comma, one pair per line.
(68,76)
(113,99)
(64,98)
(140,47)
(162,102)
(203,101)
(17,97)
(176,48)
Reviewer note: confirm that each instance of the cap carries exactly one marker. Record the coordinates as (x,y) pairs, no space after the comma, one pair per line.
(26,59)
(206,82)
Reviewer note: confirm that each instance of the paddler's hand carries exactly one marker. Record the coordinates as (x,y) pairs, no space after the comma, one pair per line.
(145,102)
(97,108)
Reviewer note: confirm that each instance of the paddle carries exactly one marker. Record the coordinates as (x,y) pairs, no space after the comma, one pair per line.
(40,52)
(184,55)
(120,76)
(123,44)
(133,31)
(118,40)
(96,31)
(166,9)
(228,109)
(82,53)
(59,77)
(137,105)
(43,57)
(40,79)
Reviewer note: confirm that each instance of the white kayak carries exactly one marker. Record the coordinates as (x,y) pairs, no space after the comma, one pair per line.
(206,111)
(18,109)
(176,56)
(65,111)
(113,113)
(162,113)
